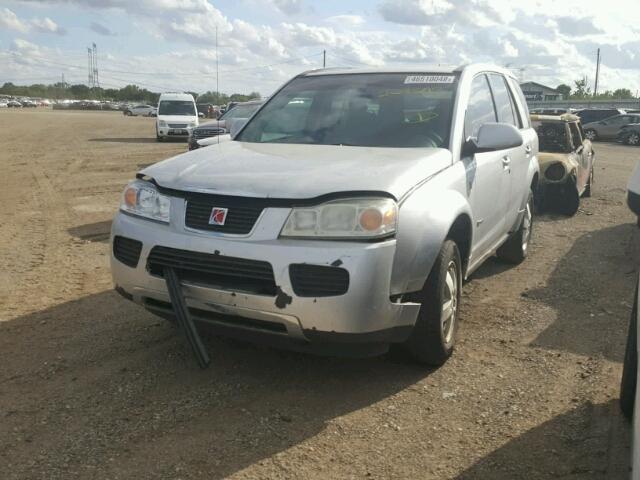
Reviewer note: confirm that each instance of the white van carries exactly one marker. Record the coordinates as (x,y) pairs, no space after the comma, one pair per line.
(177,115)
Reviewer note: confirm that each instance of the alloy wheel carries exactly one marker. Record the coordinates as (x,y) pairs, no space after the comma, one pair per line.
(450,302)
(633,139)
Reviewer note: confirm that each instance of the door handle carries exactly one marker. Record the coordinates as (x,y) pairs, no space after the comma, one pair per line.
(506,161)
(527,149)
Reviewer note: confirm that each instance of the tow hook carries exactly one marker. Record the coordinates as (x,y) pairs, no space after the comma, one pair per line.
(183,317)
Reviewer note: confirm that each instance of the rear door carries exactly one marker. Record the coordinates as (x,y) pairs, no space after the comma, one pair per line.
(487,178)
(611,126)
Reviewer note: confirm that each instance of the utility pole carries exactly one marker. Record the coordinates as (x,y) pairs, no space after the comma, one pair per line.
(324,59)
(595,88)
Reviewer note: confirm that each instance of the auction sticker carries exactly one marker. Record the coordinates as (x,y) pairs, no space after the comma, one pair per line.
(429,79)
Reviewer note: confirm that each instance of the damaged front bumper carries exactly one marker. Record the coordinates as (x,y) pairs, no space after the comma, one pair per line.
(361,321)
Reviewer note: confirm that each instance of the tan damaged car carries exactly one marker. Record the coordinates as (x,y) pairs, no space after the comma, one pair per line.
(566,163)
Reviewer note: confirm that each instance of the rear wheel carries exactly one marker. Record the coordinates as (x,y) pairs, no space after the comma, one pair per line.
(591,134)
(433,336)
(633,139)
(516,248)
(630,365)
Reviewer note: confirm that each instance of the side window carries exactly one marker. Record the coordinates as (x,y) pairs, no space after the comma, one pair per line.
(576,137)
(502,99)
(480,109)
(521,103)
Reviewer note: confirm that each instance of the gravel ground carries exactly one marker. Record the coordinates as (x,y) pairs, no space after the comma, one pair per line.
(92,386)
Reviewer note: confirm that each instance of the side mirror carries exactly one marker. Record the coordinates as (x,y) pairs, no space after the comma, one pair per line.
(236,125)
(493,137)
(200,114)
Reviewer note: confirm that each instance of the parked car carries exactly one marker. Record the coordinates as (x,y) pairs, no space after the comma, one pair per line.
(588,115)
(14,104)
(29,104)
(566,162)
(550,111)
(3,104)
(140,110)
(629,134)
(629,393)
(177,115)
(608,128)
(342,217)
(221,126)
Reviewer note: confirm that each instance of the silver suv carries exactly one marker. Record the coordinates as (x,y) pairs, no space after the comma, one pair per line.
(343,217)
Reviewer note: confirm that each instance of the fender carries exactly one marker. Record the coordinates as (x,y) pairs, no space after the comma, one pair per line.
(422,230)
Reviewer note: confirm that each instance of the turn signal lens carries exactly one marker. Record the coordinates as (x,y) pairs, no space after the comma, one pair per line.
(130,197)
(371,219)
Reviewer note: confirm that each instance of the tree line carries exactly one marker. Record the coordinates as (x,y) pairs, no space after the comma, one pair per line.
(128,93)
(581,91)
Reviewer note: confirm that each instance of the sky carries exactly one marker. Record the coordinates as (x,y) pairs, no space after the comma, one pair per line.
(170,45)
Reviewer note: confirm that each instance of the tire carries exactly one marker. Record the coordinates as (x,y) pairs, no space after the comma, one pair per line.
(587,188)
(569,198)
(630,365)
(633,139)
(591,134)
(433,337)
(516,248)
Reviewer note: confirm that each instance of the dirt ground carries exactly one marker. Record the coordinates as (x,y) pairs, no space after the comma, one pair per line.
(92,386)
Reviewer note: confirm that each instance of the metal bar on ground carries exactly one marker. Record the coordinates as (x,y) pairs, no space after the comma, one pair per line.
(183,317)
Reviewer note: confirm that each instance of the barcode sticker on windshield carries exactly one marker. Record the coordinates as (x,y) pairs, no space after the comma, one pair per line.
(429,79)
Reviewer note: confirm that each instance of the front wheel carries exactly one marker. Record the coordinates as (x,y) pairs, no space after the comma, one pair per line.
(516,248)
(591,134)
(433,336)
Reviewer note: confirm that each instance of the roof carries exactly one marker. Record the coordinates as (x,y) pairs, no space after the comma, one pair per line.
(176,96)
(541,86)
(408,69)
(567,117)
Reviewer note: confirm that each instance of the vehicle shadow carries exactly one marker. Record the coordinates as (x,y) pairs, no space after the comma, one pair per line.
(93,232)
(563,447)
(99,378)
(591,291)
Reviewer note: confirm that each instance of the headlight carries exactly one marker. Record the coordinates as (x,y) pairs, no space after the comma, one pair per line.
(341,219)
(555,171)
(142,199)
(162,123)
(192,125)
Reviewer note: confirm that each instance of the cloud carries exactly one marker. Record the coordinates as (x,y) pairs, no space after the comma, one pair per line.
(10,21)
(289,7)
(345,21)
(46,25)
(101,29)
(577,26)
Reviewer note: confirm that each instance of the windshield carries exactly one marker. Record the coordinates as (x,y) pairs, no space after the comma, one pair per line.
(240,111)
(176,107)
(552,137)
(370,110)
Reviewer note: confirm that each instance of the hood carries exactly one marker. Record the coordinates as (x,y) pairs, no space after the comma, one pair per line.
(270,170)
(213,124)
(178,118)
(545,158)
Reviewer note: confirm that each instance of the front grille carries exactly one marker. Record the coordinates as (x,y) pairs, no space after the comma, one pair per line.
(177,125)
(212,132)
(127,250)
(318,280)
(241,214)
(214,270)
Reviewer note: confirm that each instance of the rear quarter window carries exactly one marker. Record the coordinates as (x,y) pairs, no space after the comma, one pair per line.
(520,103)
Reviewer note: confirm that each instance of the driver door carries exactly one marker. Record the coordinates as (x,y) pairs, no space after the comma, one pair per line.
(488,174)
